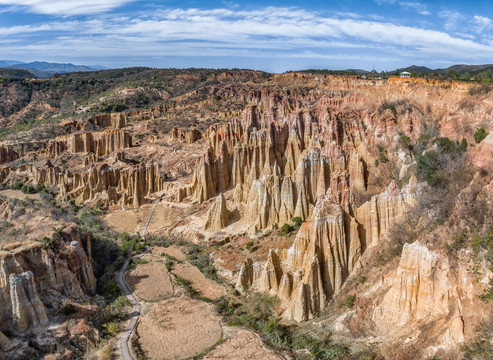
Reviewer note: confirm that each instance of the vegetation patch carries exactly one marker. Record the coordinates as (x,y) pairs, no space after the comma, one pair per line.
(480,134)
(258,312)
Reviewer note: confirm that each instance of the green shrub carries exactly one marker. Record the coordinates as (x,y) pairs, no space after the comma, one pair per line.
(249,245)
(111,287)
(17,185)
(41,188)
(121,301)
(444,165)
(482,347)
(297,221)
(47,243)
(186,285)
(111,329)
(287,229)
(199,258)
(135,245)
(277,334)
(28,189)
(133,263)
(479,135)
(68,309)
(349,302)
(117,264)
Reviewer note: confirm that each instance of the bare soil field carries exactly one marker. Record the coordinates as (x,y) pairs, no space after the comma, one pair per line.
(172,250)
(123,220)
(243,344)
(17,194)
(178,328)
(198,281)
(132,221)
(150,281)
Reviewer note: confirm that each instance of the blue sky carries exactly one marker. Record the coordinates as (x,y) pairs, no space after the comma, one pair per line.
(273,36)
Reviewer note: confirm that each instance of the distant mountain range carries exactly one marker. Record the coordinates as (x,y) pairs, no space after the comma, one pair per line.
(43,69)
(461,69)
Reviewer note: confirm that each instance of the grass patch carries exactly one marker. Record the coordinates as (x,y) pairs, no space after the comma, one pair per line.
(258,312)
(187,285)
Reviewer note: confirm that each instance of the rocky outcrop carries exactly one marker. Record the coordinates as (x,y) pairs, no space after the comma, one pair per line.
(111,185)
(27,308)
(418,289)
(31,276)
(281,162)
(7,155)
(4,342)
(326,250)
(428,302)
(113,120)
(99,143)
(188,136)
(218,215)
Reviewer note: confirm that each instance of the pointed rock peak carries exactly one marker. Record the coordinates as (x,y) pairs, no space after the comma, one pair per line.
(218,215)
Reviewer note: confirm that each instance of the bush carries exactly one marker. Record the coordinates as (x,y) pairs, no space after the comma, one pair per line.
(68,309)
(47,243)
(482,347)
(199,258)
(168,263)
(287,229)
(249,245)
(108,287)
(444,165)
(187,286)
(41,188)
(349,302)
(17,185)
(479,135)
(297,221)
(277,334)
(111,329)
(136,245)
(28,189)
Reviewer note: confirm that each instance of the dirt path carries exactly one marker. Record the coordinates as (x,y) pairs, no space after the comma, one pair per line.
(125,349)
(144,230)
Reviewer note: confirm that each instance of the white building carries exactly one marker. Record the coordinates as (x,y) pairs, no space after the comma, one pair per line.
(405,74)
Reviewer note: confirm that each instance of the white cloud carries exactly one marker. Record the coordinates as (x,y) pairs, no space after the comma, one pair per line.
(272,32)
(415,6)
(67,7)
(452,19)
(481,23)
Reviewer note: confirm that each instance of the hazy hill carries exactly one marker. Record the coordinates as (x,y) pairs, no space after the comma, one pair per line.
(45,69)
(16,73)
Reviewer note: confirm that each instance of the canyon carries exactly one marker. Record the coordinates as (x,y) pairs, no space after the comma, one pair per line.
(357,204)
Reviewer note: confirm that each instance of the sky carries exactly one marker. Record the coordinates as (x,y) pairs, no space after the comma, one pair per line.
(273,36)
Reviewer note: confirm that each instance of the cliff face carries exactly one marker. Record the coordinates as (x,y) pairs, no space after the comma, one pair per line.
(325,251)
(304,162)
(188,136)
(7,155)
(112,185)
(32,276)
(99,143)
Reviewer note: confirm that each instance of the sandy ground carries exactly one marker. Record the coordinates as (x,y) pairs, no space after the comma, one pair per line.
(17,194)
(120,220)
(131,221)
(199,282)
(178,328)
(172,250)
(242,344)
(150,281)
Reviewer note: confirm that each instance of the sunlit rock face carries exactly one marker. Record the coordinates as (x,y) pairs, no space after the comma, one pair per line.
(32,276)
(309,164)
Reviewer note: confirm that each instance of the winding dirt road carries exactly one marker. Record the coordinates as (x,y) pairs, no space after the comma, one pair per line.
(124,340)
